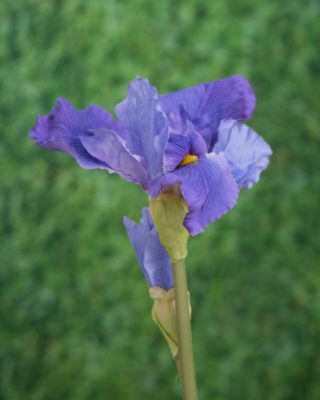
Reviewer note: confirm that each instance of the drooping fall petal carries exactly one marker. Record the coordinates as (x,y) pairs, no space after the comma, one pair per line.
(247,152)
(61,130)
(106,146)
(207,186)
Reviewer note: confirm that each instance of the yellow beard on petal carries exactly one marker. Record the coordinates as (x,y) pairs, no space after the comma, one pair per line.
(188,159)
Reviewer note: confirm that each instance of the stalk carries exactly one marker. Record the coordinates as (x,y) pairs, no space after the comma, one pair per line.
(188,378)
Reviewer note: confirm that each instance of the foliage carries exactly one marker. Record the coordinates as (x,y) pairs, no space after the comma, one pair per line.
(74,308)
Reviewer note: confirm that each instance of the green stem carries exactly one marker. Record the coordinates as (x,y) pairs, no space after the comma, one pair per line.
(188,377)
(178,366)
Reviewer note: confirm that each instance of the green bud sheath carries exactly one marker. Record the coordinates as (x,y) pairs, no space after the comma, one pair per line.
(168,212)
(165,316)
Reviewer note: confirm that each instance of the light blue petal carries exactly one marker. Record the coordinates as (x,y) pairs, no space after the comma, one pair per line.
(247,152)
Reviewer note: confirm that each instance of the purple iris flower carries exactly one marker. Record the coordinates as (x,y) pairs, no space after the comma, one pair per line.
(153,258)
(192,138)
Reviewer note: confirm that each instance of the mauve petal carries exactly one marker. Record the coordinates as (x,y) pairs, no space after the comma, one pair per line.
(208,187)
(153,259)
(177,147)
(208,103)
(147,126)
(60,130)
(247,152)
(107,147)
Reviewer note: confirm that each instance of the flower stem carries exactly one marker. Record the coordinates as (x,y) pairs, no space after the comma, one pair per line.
(178,366)
(188,377)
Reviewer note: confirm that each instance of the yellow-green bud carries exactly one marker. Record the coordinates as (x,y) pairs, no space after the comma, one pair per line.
(164,315)
(168,212)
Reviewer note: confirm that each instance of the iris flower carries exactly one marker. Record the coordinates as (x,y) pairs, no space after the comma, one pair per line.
(192,138)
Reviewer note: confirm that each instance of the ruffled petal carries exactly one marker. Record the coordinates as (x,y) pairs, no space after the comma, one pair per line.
(247,152)
(152,257)
(106,146)
(147,127)
(208,187)
(60,130)
(208,103)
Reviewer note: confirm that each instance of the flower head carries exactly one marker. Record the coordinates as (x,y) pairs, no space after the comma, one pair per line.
(191,138)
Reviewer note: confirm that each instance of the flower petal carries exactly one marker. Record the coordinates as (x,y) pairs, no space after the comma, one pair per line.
(177,120)
(60,130)
(208,103)
(247,152)
(197,144)
(152,257)
(178,146)
(146,124)
(207,186)
(106,146)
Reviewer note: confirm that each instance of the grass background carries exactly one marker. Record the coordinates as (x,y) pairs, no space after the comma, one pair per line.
(74,308)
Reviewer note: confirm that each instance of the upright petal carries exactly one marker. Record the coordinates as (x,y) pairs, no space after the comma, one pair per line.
(177,120)
(208,187)
(61,129)
(197,143)
(106,146)
(208,103)
(247,153)
(147,127)
(152,257)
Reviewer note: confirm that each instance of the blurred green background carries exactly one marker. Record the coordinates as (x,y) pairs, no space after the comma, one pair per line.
(74,308)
